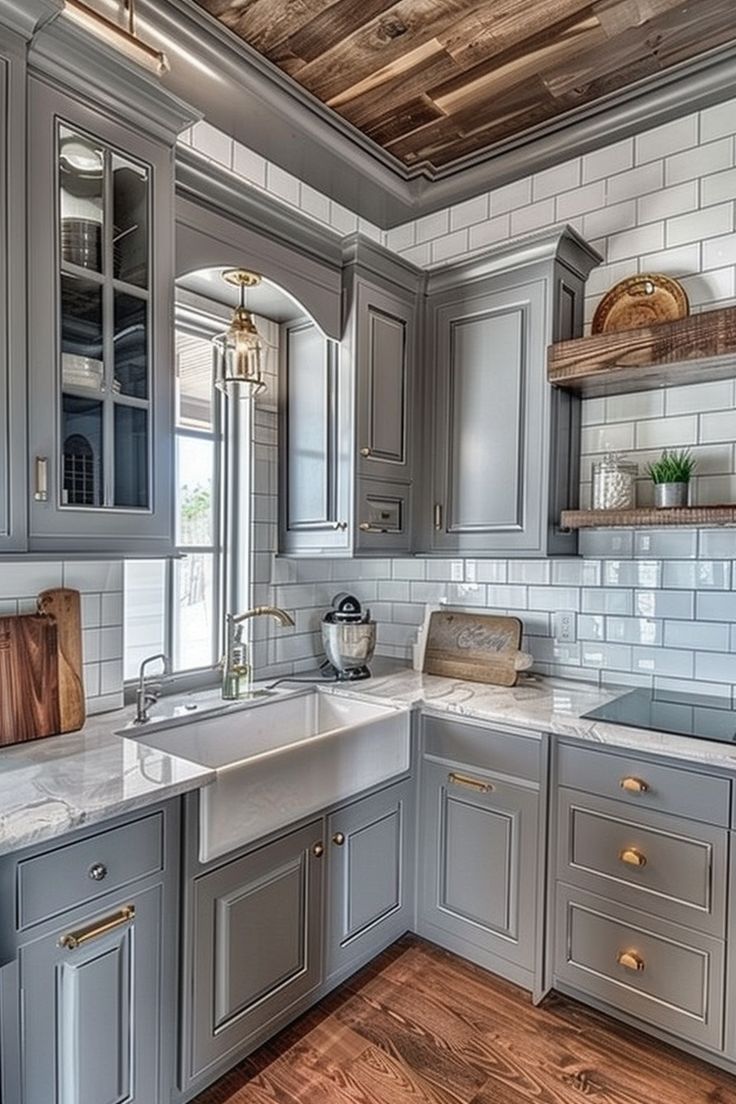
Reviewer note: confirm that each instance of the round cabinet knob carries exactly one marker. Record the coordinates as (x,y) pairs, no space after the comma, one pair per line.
(365,452)
(98,872)
(338,839)
(630,960)
(634,785)
(633,857)
(318,850)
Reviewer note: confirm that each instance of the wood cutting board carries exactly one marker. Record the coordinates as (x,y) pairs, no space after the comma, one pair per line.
(480,647)
(41,680)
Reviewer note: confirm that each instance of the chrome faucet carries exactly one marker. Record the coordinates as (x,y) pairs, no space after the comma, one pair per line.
(147,694)
(236,671)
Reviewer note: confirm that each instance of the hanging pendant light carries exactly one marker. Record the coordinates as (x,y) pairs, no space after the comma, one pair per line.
(240,348)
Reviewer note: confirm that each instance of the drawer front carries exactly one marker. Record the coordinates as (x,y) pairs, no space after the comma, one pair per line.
(644,784)
(660,973)
(661,864)
(69,876)
(501,752)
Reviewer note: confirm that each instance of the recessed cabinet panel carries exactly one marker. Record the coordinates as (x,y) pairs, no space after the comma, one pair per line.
(256,943)
(486,461)
(387,387)
(476,839)
(384,516)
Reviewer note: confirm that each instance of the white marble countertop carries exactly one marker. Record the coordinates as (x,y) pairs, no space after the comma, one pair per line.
(50,787)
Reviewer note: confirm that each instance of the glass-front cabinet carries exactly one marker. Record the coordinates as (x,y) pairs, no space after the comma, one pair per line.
(101,363)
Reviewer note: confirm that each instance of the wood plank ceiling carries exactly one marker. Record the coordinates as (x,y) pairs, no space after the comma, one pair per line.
(434,80)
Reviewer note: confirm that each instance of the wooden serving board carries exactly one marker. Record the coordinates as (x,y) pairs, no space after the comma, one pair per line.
(480,647)
(29,678)
(64,606)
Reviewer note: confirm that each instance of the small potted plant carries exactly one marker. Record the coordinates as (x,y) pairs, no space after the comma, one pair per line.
(671,476)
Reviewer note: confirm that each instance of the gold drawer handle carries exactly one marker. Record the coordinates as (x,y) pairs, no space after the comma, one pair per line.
(634,785)
(75,939)
(471,783)
(632,961)
(633,857)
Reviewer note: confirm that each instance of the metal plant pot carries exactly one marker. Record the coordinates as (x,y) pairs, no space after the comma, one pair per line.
(667,495)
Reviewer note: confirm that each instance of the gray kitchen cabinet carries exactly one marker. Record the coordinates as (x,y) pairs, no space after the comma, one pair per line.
(88,989)
(101,188)
(256,946)
(13,511)
(314,502)
(369,877)
(478,865)
(347,414)
(502,446)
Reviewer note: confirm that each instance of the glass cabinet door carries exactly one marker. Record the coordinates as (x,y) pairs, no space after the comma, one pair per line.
(103,226)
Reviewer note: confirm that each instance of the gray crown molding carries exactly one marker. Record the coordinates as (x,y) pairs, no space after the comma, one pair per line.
(206,184)
(84,64)
(243,94)
(24,17)
(560,242)
(359,252)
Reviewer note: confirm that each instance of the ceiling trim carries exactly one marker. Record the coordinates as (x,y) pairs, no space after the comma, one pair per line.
(245,95)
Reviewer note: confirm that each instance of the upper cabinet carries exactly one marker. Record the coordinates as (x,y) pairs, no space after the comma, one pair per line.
(101,336)
(12,293)
(503,447)
(347,414)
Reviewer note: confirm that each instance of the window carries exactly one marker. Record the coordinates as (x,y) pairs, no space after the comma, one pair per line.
(174,606)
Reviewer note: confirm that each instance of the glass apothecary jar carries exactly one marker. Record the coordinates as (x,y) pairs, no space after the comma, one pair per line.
(614,483)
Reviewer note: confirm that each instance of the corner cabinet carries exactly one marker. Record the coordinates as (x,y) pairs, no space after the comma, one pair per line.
(347,413)
(101,267)
(504,444)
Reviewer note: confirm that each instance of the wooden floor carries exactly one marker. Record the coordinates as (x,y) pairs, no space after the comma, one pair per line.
(420,1026)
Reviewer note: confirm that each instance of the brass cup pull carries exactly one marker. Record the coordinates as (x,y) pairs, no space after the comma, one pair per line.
(338,839)
(633,857)
(631,961)
(83,935)
(634,785)
(365,452)
(318,850)
(471,783)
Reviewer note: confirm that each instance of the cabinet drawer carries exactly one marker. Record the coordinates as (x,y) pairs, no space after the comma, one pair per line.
(383,516)
(503,752)
(644,784)
(648,968)
(69,876)
(661,864)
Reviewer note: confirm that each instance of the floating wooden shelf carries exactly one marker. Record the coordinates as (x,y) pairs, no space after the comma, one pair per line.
(649,517)
(695,349)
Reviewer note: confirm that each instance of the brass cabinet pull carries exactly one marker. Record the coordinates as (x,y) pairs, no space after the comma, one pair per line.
(318,850)
(632,961)
(633,857)
(634,785)
(338,839)
(438,516)
(471,783)
(366,527)
(41,493)
(83,935)
(365,452)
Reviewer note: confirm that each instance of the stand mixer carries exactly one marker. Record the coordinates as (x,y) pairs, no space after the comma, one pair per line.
(349,638)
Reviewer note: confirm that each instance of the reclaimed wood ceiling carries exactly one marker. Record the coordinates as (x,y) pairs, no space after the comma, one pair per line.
(432,81)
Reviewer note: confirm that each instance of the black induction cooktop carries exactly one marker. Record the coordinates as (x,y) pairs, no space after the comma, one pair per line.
(696,715)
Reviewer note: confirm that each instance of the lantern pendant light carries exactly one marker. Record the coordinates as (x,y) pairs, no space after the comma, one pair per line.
(240,349)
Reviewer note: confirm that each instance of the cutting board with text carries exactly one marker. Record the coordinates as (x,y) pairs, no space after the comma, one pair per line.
(480,647)
(41,678)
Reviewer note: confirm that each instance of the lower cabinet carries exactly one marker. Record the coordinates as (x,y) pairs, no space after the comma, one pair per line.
(478,867)
(257,942)
(369,876)
(91,996)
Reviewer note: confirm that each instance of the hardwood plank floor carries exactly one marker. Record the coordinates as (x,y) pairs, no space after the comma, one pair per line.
(421,1026)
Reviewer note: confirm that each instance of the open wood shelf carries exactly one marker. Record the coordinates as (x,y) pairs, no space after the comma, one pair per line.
(649,517)
(696,349)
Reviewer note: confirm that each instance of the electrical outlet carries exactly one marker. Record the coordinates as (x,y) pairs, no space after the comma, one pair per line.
(565,624)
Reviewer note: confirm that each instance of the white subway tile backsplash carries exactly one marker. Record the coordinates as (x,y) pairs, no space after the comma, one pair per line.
(511,196)
(451,245)
(715,606)
(536,215)
(666,544)
(642,573)
(634,405)
(671,201)
(606,543)
(697,635)
(663,140)
(529,571)
(21,579)
(667,432)
(720,251)
(608,160)
(715,666)
(632,243)
(496,229)
(678,262)
(699,225)
(634,630)
(664,603)
(697,574)
(697,397)
(717,121)
(603,600)
(710,157)
(616,657)
(554,598)
(717,544)
(432,226)
(250,165)
(560,178)
(470,212)
(719,426)
(663,661)
(611,437)
(636,182)
(577,202)
(85,576)
(609,220)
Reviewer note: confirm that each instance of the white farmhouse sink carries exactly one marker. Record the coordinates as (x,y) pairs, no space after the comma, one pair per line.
(279,761)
